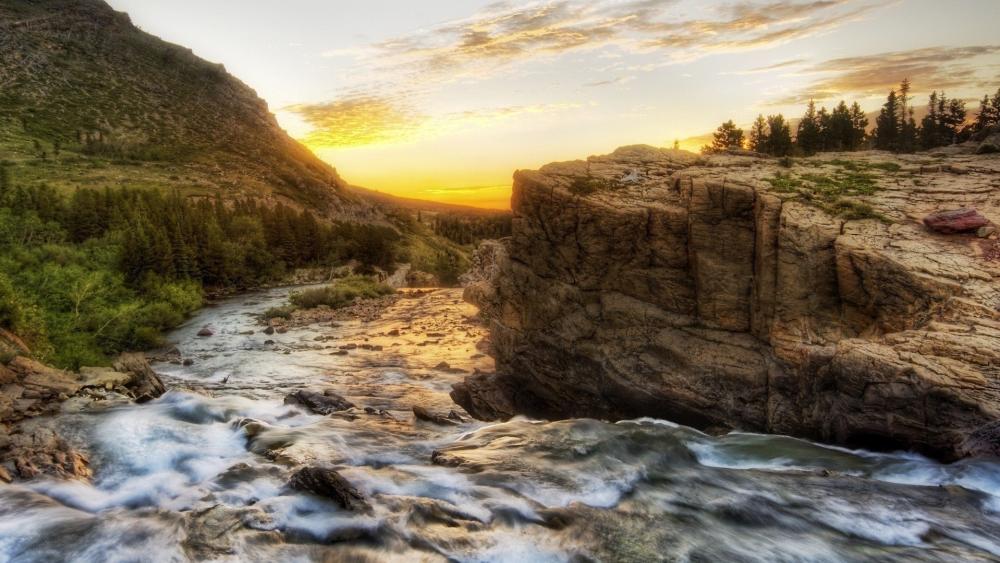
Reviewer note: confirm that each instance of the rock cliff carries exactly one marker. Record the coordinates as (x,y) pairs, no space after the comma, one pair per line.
(731,292)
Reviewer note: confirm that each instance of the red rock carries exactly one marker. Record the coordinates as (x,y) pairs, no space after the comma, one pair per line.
(955,221)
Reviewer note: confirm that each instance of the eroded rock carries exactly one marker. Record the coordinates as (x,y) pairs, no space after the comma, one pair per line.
(701,294)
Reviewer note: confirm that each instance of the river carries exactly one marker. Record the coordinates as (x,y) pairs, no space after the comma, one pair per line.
(201,473)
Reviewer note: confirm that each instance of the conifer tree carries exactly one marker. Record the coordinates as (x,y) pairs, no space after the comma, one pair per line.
(907,133)
(930,125)
(808,135)
(859,126)
(758,135)
(726,137)
(985,118)
(779,136)
(839,131)
(886,132)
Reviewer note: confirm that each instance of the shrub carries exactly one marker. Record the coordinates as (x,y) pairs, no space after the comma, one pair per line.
(586,185)
(341,293)
(284,312)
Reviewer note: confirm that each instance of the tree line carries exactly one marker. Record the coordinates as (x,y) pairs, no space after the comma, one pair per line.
(464,229)
(87,276)
(845,128)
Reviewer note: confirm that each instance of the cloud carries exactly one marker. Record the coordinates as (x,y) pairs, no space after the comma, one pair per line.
(358,120)
(931,68)
(370,120)
(506,34)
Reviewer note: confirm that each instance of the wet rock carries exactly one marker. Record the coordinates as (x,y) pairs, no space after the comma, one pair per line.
(328,483)
(486,396)
(983,442)
(269,330)
(144,385)
(986,231)
(955,221)
(205,332)
(36,451)
(393,332)
(268,342)
(188,362)
(443,366)
(326,403)
(211,532)
(281,330)
(422,413)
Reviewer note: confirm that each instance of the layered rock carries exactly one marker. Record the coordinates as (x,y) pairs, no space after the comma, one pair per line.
(731,292)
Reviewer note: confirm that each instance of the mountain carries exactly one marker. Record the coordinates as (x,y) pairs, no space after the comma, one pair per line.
(89,100)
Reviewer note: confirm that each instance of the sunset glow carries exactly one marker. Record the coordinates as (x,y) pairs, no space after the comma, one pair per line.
(443,100)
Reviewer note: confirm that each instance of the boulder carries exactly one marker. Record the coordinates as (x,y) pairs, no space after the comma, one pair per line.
(328,483)
(325,403)
(955,221)
(269,330)
(422,413)
(144,385)
(205,332)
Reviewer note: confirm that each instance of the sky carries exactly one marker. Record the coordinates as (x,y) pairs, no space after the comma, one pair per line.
(444,99)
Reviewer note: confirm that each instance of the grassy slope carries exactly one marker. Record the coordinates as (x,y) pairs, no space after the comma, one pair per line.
(126,108)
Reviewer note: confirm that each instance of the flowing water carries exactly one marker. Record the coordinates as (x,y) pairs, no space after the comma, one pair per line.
(184,477)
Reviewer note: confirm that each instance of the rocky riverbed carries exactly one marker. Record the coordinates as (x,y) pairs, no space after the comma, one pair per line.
(337,440)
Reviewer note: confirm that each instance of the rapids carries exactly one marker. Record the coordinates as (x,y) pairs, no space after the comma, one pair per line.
(182,478)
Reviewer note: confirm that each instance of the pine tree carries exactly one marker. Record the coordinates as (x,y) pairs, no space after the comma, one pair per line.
(886,132)
(779,136)
(808,135)
(758,135)
(726,137)
(859,127)
(840,131)
(930,125)
(907,133)
(954,119)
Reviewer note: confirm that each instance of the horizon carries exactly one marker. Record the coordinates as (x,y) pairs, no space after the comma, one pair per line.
(442,102)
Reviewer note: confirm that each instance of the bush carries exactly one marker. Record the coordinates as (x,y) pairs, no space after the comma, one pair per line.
(284,312)
(341,293)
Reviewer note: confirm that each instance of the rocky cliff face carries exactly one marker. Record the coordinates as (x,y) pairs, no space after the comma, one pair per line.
(732,292)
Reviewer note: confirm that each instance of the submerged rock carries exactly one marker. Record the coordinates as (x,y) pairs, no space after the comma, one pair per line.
(328,483)
(423,414)
(205,332)
(326,403)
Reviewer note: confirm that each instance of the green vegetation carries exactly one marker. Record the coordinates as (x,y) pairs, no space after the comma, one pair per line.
(283,312)
(341,293)
(587,185)
(834,192)
(100,272)
(466,230)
